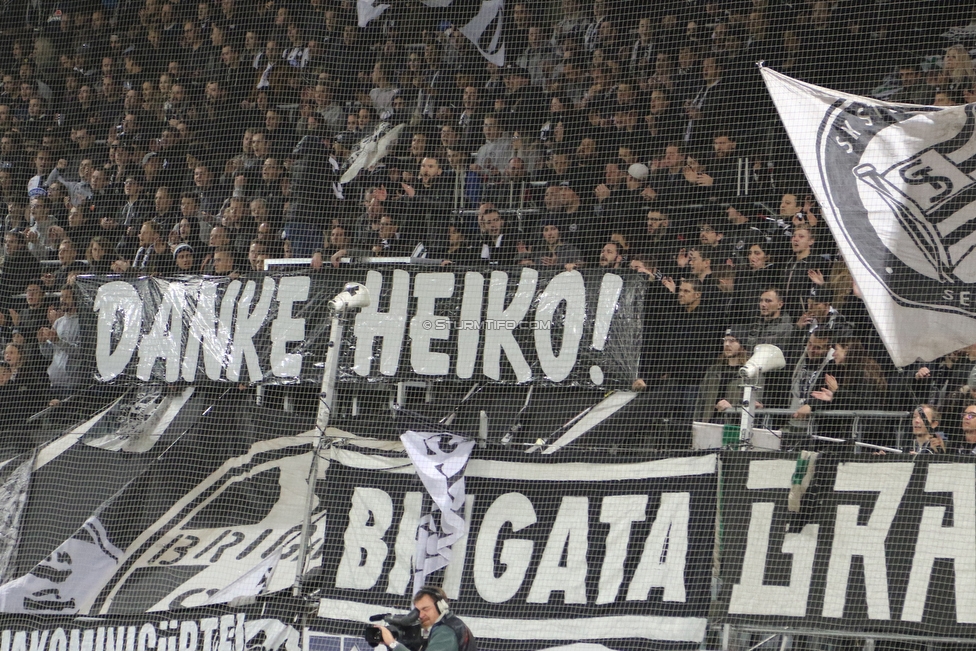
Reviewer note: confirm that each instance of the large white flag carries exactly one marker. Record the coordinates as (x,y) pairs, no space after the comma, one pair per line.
(897,185)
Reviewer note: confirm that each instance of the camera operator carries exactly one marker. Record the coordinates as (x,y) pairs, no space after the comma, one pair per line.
(442,629)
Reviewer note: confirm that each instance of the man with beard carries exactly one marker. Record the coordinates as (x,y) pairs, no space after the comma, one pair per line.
(610,256)
(427,211)
(658,239)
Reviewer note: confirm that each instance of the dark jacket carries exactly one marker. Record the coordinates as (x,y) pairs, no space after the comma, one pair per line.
(721,382)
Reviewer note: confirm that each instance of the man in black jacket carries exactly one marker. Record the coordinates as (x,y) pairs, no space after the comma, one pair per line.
(497,246)
(19,267)
(679,348)
(427,210)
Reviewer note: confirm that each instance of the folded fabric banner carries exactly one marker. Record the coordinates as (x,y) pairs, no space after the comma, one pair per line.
(440,460)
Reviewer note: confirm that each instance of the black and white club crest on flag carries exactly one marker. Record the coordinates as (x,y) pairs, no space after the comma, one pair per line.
(897,186)
(440,460)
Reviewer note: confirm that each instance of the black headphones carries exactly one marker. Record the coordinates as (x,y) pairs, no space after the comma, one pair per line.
(436,594)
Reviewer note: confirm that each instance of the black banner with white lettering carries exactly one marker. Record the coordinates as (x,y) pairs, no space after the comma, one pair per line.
(517,326)
(615,553)
(875,543)
(269,627)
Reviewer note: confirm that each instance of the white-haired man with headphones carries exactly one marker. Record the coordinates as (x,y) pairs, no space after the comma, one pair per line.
(443,630)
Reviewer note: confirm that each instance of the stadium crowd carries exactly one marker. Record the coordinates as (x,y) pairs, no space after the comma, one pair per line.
(167,137)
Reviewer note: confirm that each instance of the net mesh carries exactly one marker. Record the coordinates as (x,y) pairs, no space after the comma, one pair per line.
(577,222)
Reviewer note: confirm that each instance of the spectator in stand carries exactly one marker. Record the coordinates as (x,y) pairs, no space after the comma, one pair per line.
(104,200)
(668,179)
(806,376)
(28,390)
(851,381)
(710,107)
(711,236)
(43,164)
(136,210)
(925,428)
(80,191)
(492,158)
(498,247)
(717,175)
(773,326)
(611,256)
(575,223)
(16,217)
(388,241)
(166,214)
(683,343)
(522,103)
(553,252)
(948,384)
(80,228)
(538,58)
(184,259)
(720,391)
(913,88)
(240,229)
(199,223)
(958,70)
(426,218)
(61,343)
(750,280)
(153,256)
(968,427)
(211,195)
(26,321)
(698,263)
(799,274)
(257,253)
(99,256)
(69,266)
(19,267)
(659,240)
(635,199)
(44,234)
(224,262)
(741,233)
(820,313)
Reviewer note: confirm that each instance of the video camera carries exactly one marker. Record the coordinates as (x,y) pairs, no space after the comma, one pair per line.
(406,630)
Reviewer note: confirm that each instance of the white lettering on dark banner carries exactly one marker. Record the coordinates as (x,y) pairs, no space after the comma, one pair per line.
(165,336)
(562,573)
(863,536)
(542,536)
(229,632)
